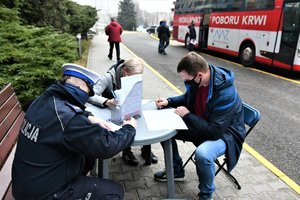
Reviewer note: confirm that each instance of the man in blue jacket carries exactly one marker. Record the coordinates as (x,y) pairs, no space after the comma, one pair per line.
(59,141)
(212,110)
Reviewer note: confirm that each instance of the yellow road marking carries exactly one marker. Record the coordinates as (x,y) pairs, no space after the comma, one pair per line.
(272,168)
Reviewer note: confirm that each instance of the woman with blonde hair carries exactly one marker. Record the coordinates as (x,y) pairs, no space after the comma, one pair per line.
(103,97)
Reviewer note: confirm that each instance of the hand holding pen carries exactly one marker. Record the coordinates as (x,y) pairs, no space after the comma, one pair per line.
(161,102)
(112,102)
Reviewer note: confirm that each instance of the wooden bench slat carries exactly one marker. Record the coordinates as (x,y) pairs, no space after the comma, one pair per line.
(6,124)
(11,119)
(5,93)
(5,173)
(10,138)
(7,106)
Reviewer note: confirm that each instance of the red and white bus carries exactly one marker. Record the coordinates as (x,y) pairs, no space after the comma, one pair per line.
(265,31)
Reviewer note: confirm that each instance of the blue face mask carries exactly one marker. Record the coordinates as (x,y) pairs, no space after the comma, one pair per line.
(78,93)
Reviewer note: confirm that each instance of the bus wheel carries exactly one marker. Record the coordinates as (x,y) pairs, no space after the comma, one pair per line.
(187,41)
(247,55)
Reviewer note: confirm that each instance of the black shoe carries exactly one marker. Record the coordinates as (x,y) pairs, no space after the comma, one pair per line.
(179,175)
(109,57)
(154,158)
(164,53)
(205,196)
(129,158)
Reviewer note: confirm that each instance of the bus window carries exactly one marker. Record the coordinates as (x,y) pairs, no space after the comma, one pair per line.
(259,5)
(235,5)
(250,5)
(183,7)
(199,6)
(269,4)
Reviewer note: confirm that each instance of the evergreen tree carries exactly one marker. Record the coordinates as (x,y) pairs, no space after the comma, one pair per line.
(126,15)
(45,13)
(81,18)
(63,15)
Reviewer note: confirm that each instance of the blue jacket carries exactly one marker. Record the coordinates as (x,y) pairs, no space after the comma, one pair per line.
(55,139)
(224,113)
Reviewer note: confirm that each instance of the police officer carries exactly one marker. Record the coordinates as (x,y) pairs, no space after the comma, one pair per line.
(59,142)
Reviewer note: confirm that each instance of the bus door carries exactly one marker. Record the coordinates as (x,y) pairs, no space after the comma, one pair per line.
(203,32)
(290,32)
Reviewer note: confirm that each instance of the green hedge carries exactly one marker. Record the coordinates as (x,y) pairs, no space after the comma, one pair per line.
(30,57)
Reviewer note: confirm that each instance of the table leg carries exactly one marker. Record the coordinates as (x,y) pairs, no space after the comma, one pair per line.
(103,168)
(148,157)
(169,166)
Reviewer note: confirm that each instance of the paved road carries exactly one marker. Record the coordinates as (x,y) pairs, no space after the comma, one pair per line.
(277,135)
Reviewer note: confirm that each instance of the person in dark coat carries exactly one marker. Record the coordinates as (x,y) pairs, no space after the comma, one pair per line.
(192,35)
(59,141)
(114,31)
(213,113)
(158,30)
(164,37)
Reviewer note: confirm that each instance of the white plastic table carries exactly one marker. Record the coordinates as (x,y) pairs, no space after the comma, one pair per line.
(144,137)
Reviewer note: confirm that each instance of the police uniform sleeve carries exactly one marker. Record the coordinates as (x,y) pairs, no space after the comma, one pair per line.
(81,136)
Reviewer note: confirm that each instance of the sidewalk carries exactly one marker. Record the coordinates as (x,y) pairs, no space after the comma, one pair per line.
(256,180)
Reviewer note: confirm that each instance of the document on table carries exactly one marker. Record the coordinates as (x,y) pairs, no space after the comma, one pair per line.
(163,119)
(129,98)
(131,88)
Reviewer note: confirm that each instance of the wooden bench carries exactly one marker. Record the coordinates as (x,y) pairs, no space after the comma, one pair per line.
(11,118)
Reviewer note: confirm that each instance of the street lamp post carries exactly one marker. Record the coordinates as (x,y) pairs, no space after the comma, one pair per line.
(78,36)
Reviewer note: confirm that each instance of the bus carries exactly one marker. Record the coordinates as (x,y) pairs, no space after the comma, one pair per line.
(263,31)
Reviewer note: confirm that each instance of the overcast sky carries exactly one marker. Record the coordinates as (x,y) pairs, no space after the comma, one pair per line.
(111,6)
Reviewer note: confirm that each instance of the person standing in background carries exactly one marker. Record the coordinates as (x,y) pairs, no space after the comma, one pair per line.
(114,31)
(192,33)
(158,30)
(164,37)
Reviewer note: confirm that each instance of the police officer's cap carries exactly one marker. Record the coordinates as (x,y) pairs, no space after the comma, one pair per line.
(90,77)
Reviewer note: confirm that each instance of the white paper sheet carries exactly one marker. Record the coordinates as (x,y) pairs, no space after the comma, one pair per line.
(163,120)
(131,85)
(129,98)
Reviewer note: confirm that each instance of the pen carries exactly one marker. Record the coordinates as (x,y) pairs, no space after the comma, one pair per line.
(115,97)
(113,93)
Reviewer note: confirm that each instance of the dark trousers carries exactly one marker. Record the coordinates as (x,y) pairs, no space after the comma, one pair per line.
(92,188)
(111,48)
(163,44)
(184,135)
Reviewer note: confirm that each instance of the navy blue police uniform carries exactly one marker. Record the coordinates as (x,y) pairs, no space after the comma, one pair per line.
(55,146)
